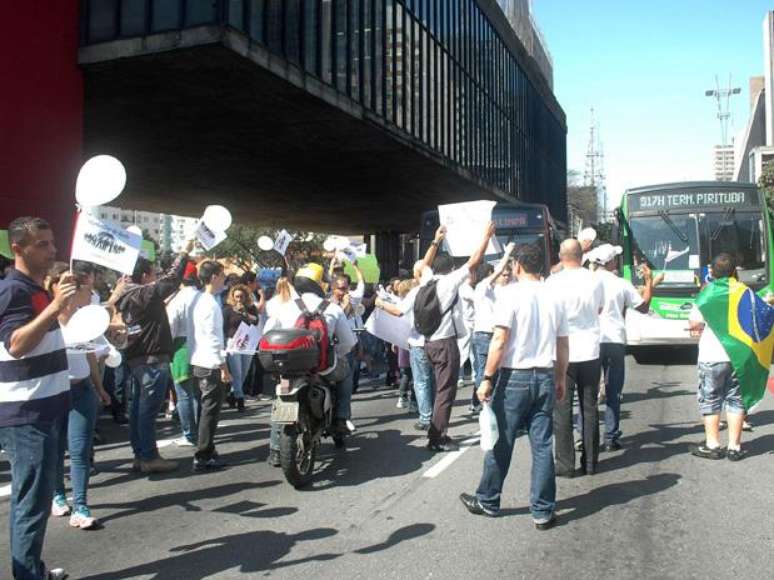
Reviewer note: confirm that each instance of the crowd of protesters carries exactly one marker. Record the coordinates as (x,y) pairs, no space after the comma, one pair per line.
(532,341)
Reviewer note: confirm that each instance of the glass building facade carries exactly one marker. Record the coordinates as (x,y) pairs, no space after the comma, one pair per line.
(437,71)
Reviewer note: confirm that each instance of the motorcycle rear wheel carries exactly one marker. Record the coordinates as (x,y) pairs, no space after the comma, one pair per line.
(298,453)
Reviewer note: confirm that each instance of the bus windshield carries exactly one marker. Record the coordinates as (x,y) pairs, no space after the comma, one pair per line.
(521,238)
(741,235)
(669,243)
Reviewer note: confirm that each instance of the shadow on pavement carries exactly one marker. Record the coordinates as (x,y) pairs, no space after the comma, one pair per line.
(407,533)
(652,446)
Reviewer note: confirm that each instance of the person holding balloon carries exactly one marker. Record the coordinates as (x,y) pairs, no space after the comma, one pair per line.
(77,431)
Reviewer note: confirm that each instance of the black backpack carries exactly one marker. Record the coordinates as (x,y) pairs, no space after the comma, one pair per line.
(427,309)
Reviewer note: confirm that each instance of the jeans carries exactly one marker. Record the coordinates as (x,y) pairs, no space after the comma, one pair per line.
(480,347)
(583,377)
(404,389)
(189,408)
(523,399)
(32,451)
(115,381)
(148,389)
(77,435)
(424,384)
(613,359)
(213,391)
(238,366)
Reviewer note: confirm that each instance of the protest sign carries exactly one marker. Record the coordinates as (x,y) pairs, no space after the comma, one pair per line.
(391,329)
(208,238)
(368,265)
(148,250)
(106,245)
(5,245)
(245,341)
(282,242)
(465,223)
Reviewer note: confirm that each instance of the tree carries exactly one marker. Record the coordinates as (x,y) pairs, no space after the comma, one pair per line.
(581,199)
(766,183)
(242,246)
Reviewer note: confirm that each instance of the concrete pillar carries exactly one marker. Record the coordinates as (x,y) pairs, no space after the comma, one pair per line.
(768,64)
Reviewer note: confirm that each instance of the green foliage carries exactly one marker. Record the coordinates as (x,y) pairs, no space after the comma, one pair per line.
(242,245)
(766,183)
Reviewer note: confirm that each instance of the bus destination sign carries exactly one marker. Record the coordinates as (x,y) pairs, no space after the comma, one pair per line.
(688,200)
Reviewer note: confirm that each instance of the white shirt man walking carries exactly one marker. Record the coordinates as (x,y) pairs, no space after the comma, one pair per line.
(529,353)
(582,296)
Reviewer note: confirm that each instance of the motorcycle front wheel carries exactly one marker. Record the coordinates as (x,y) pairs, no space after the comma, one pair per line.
(298,452)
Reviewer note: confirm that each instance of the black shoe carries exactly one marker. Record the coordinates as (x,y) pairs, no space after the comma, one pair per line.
(212,464)
(274,458)
(735,454)
(231,401)
(474,506)
(240,405)
(445,445)
(474,409)
(612,446)
(547,523)
(420,426)
(706,453)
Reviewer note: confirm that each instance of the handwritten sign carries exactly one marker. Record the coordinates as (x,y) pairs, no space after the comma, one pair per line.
(208,238)
(245,341)
(282,242)
(465,223)
(100,243)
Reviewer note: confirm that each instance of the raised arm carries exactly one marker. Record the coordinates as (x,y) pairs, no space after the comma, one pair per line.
(432,251)
(478,255)
(502,264)
(646,291)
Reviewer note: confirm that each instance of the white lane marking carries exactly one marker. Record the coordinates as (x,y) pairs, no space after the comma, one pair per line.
(5,491)
(450,458)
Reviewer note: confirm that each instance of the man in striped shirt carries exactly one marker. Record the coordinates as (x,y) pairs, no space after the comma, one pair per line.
(34,388)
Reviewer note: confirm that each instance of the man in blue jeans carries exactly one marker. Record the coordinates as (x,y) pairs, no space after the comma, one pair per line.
(36,389)
(529,353)
(148,354)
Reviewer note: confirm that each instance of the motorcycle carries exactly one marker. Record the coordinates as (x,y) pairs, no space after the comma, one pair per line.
(305,403)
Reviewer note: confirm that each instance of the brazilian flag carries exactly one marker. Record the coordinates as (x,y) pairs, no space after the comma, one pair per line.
(743,323)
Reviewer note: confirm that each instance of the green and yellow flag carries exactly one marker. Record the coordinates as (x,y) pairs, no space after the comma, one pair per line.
(743,323)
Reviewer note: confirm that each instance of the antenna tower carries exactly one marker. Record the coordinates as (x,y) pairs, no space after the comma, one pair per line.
(594,175)
(723,100)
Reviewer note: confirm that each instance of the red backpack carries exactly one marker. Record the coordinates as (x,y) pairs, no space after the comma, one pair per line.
(315,323)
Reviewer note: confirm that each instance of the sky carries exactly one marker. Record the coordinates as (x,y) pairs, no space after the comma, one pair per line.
(644,68)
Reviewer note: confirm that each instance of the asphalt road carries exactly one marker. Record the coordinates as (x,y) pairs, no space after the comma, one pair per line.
(387,508)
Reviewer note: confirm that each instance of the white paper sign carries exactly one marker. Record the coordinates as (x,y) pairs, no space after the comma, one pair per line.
(392,329)
(361,250)
(246,339)
(465,223)
(282,242)
(100,243)
(350,254)
(208,238)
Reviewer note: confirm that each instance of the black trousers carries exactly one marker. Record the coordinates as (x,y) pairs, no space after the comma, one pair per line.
(582,377)
(213,393)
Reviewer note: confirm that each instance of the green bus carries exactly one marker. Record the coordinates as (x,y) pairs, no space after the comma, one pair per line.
(677,229)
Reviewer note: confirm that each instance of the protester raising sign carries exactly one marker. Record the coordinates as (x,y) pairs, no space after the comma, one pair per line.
(100,243)
(282,242)
(208,238)
(464,223)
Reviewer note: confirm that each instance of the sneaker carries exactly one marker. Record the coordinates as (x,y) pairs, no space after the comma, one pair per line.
(747,427)
(612,446)
(211,464)
(56,574)
(421,426)
(401,404)
(82,518)
(460,383)
(735,454)
(157,465)
(546,522)
(706,453)
(274,458)
(474,506)
(59,506)
(184,442)
(351,427)
(445,445)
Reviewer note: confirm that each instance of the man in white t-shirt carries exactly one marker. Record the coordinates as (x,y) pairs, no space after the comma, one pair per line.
(483,326)
(528,355)
(207,348)
(421,369)
(718,384)
(582,296)
(620,295)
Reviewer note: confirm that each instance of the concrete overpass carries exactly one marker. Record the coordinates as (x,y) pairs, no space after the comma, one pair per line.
(351,116)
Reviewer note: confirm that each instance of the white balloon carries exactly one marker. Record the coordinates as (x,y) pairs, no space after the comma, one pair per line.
(86,324)
(100,181)
(265,243)
(217,218)
(135,230)
(329,244)
(114,358)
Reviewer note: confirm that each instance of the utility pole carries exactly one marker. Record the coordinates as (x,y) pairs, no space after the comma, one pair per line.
(594,176)
(724,153)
